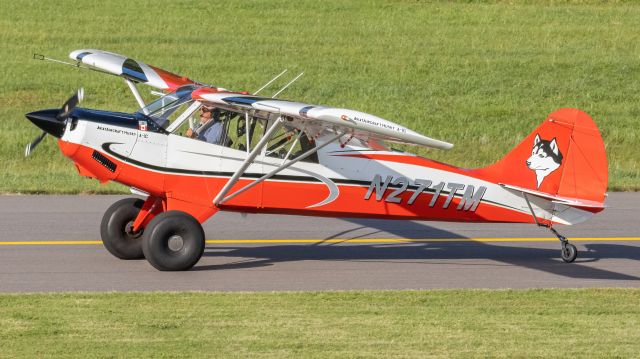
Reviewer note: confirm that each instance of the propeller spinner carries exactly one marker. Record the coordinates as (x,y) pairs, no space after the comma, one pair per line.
(52,121)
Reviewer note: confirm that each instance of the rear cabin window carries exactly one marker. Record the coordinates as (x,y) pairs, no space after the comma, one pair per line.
(284,141)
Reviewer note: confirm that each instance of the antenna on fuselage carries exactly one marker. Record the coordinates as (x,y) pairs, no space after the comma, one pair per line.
(270,82)
(287,85)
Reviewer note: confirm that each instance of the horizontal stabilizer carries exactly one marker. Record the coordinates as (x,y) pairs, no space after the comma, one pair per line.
(572,202)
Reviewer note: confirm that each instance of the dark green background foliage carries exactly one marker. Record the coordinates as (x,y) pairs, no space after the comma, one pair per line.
(481,75)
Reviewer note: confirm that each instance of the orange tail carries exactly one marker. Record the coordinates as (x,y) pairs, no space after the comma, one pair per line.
(564,157)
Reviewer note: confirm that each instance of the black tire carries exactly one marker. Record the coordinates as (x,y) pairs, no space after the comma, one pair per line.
(173,241)
(114,229)
(569,253)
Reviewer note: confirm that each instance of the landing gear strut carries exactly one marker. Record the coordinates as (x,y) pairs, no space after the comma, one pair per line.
(568,252)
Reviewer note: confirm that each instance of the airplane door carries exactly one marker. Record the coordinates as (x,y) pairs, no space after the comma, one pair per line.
(241,137)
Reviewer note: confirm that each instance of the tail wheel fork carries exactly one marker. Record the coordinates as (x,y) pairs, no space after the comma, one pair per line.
(568,251)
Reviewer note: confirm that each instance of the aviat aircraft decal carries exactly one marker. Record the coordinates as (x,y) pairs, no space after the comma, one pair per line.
(199,149)
(389,126)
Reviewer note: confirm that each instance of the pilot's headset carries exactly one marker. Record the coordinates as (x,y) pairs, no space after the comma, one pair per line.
(216,114)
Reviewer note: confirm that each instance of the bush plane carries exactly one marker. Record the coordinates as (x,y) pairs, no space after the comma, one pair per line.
(271,155)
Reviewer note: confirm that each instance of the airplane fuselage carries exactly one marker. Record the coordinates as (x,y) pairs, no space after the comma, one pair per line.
(347,181)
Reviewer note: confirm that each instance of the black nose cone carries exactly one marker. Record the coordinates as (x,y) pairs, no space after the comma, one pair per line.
(47,121)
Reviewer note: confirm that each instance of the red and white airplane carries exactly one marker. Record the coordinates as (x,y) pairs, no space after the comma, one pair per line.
(279,156)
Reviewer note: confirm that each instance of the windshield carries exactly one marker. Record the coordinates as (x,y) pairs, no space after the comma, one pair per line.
(161,109)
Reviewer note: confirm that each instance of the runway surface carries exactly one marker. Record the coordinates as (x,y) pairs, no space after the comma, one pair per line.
(51,243)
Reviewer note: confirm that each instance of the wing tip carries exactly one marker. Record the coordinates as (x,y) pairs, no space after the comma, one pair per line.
(441,145)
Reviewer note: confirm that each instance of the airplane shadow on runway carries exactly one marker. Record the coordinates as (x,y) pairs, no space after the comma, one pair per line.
(520,254)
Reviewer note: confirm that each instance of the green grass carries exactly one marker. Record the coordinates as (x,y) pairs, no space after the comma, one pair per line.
(592,323)
(481,75)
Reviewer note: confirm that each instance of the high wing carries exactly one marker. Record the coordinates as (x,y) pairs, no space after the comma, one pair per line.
(314,119)
(311,119)
(129,69)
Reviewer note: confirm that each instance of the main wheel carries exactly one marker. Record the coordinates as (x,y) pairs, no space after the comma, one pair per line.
(173,241)
(115,229)
(569,253)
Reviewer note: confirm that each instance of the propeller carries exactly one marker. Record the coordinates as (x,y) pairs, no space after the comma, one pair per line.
(71,103)
(31,146)
(52,122)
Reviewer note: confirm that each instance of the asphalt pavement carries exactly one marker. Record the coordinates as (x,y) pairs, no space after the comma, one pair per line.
(50,243)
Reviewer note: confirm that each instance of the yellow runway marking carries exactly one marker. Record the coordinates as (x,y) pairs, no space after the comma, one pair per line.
(337,240)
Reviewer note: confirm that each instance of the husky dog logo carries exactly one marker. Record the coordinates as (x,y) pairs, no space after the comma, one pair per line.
(545,158)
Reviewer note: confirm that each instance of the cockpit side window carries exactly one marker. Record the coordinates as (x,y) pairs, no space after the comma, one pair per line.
(226,127)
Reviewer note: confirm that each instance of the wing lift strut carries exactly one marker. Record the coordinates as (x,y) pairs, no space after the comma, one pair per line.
(569,252)
(222,197)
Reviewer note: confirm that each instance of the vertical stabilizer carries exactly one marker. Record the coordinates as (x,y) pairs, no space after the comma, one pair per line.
(564,157)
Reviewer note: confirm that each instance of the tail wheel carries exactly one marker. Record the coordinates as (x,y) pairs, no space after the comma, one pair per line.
(173,241)
(569,253)
(115,229)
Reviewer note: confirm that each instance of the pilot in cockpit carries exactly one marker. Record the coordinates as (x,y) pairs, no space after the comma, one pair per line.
(211,127)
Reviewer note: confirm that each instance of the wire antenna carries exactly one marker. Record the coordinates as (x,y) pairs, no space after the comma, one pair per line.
(287,85)
(270,82)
